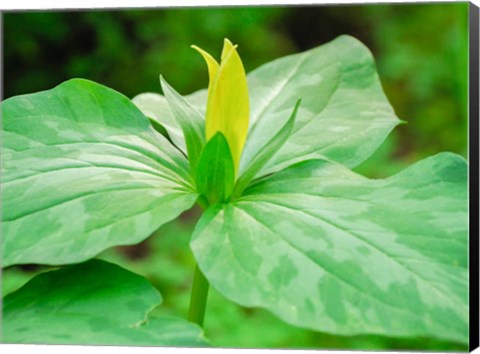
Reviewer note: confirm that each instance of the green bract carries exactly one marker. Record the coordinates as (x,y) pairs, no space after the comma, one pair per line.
(291,228)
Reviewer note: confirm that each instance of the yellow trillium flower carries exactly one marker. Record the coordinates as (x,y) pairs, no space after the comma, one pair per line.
(227,104)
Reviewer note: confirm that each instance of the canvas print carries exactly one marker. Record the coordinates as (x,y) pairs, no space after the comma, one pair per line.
(248,177)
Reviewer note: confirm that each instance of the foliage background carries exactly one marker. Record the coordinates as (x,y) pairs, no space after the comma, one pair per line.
(421,52)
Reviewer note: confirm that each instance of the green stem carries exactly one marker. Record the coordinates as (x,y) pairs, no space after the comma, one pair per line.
(198,299)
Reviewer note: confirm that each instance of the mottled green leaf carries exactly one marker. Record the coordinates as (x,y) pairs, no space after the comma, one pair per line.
(324,248)
(216,174)
(83,170)
(344,115)
(92,303)
(190,120)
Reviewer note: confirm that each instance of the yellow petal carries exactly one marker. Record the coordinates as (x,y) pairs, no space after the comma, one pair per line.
(213,67)
(211,64)
(228,103)
(227,47)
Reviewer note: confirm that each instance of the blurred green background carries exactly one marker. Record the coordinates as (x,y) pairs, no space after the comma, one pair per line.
(421,52)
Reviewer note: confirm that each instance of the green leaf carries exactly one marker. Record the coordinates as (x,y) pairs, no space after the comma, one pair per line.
(216,173)
(156,107)
(266,153)
(94,303)
(159,128)
(326,249)
(190,120)
(83,170)
(344,116)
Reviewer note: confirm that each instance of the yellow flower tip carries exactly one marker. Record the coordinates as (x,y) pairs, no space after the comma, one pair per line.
(211,63)
(228,101)
(227,47)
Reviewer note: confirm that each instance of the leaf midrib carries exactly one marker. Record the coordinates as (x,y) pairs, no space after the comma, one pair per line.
(76,198)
